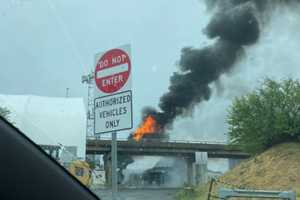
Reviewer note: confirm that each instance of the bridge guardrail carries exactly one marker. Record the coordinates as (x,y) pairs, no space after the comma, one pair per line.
(174,141)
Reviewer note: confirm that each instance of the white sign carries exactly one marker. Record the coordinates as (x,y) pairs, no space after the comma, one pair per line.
(113,96)
(113,112)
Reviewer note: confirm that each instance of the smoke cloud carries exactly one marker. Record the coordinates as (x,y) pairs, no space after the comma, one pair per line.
(235,25)
(232,27)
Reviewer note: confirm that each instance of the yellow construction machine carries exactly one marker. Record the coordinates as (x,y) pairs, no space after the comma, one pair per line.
(82,171)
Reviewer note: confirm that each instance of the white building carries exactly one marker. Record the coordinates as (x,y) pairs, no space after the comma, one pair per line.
(49,120)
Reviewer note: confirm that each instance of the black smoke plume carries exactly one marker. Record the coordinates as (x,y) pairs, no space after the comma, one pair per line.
(233,28)
(236,24)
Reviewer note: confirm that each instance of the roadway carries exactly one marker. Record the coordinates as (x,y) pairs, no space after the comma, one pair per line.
(138,194)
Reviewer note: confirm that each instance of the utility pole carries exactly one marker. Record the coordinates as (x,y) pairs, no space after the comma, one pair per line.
(67,92)
(88,79)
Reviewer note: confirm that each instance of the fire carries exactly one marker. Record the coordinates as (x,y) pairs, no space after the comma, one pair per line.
(148,127)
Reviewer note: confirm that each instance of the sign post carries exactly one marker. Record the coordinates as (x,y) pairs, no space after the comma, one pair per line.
(114,163)
(113,99)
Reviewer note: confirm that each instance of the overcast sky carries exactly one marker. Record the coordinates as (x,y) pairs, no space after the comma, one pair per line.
(46,46)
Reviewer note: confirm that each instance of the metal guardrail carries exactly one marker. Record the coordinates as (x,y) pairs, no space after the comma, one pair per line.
(162,141)
(225,194)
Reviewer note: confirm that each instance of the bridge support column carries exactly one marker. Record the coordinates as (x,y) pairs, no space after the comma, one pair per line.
(200,173)
(190,174)
(107,168)
(201,167)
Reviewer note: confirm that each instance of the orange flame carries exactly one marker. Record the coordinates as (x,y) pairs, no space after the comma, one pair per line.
(148,127)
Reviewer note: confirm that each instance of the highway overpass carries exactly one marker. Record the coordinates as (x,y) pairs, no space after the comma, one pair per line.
(169,148)
(182,149)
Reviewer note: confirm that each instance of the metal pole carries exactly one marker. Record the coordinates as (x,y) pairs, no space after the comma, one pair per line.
(114,172)
(210,188)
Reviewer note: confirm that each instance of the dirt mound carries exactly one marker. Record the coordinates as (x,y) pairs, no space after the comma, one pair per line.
(275,169)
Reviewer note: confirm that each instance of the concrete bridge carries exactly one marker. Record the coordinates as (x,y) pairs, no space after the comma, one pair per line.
(169,148)
(175,148)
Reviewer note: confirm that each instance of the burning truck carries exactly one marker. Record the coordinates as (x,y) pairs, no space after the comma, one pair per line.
(148,130)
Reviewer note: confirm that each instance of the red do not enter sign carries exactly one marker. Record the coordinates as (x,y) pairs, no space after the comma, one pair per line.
(112,71)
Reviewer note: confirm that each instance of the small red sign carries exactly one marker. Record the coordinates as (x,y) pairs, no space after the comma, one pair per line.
(112,71)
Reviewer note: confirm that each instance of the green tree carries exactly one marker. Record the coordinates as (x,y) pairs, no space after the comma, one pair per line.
(4,112)
(267,116)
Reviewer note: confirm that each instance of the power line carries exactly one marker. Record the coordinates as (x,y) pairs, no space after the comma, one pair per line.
(65,31)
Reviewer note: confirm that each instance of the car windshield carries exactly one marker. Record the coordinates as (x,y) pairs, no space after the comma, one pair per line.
(158,99)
